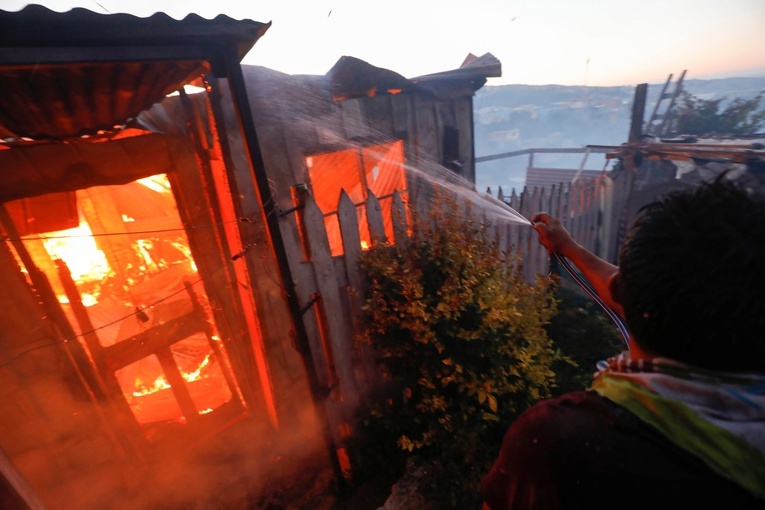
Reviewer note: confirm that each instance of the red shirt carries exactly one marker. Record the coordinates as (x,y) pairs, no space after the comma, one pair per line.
(581,450)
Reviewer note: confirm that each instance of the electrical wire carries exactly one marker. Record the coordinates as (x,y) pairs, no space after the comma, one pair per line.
(130,233)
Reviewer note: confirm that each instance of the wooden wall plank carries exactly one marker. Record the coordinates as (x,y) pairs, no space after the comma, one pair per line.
(463,114)
(380,117)
(355,119)
(427,130)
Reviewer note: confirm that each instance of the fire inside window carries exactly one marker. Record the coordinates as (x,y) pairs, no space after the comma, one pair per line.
(120,265)
(378,169)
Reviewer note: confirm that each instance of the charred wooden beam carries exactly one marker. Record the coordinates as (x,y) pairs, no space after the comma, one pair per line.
(153,340)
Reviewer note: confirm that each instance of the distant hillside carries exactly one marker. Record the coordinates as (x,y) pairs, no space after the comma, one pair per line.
(515,117)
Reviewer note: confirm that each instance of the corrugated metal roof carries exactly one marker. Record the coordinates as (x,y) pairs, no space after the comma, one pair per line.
(63,101)
(66,74)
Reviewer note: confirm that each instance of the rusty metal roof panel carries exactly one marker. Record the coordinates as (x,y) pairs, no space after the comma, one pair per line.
(468,78)
(472,68)
(64,75)
(64,101)
(351,77)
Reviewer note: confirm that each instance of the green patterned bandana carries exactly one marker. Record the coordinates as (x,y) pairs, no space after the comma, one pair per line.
(717,416)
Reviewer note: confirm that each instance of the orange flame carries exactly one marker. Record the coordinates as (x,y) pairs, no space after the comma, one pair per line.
(160,383)
(77,247)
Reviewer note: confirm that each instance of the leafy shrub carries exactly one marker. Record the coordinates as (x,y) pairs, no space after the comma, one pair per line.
(461,338)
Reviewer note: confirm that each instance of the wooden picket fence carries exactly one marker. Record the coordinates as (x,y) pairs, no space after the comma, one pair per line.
(331,289)
(589,209)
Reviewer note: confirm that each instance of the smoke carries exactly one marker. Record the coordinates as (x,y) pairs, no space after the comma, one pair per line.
(244,465)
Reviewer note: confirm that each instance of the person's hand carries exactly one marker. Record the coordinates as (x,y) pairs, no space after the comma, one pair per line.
(551,233)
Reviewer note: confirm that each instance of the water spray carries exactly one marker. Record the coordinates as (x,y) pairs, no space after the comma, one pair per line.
(461,187)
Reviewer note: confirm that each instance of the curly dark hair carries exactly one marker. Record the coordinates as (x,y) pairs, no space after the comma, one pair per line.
(692,277)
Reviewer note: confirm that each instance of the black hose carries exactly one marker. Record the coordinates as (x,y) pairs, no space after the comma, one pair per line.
(594,295)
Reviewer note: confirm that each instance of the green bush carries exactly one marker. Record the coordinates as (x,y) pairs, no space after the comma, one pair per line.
(461,339)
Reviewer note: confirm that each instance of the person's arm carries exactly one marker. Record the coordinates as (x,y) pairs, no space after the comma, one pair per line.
(601,274)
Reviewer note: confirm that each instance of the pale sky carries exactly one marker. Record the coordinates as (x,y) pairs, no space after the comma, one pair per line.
(566,42)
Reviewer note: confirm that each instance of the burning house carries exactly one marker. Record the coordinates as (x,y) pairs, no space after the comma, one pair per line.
(166,331)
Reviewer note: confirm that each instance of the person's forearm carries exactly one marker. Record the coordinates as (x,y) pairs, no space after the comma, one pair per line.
(597,271)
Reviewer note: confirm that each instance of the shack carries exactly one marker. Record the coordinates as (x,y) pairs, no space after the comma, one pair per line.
(168,334)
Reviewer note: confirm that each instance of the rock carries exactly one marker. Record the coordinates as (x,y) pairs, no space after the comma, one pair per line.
(405,493)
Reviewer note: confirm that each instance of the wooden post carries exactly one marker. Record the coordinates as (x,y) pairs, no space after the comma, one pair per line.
(638,111)
(194,190)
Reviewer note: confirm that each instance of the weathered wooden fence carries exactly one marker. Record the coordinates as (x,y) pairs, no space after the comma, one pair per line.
(331,293)
(590,209)
(331,289)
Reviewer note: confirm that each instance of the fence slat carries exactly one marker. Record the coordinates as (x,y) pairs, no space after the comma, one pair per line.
(302,272)
(340,341)
(529,244)
(399,219)
(595,219)
(305,288)
(607,208)
(541,263)
(584,225)
(503,236)
(349,226)
(490,227)
(357,285)
(375,220)
(515,229)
